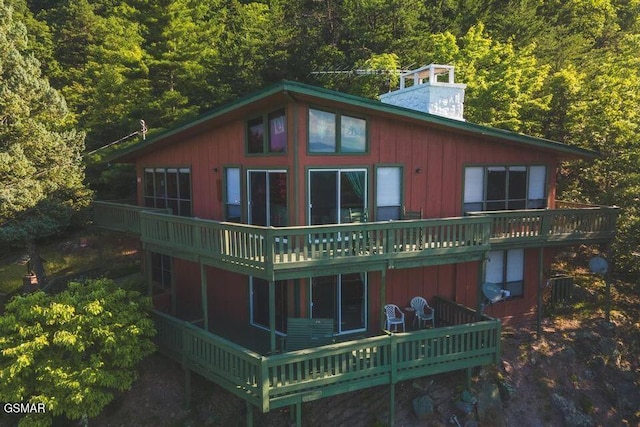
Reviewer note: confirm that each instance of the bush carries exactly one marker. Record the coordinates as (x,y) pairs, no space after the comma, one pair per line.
(73,350)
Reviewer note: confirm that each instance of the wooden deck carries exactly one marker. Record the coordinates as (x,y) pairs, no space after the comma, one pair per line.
(291,378)
(283,253)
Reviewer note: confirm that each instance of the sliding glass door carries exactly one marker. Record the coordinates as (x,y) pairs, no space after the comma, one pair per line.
(260,304)
(334,195)
(267,191)
(342,298)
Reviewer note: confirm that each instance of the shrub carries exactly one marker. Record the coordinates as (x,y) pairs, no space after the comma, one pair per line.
(73,350)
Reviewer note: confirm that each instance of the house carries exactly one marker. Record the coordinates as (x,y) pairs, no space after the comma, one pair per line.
(294,202)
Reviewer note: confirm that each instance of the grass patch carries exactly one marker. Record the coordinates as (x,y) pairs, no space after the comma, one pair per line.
(105,254)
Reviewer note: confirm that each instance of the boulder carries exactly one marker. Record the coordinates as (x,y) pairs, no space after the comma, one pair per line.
(489,405)
(570,414)
(423,407)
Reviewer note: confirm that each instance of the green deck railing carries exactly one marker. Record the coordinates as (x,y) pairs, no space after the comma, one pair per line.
(542,227)
(120,217)
(276,251)
(274,381)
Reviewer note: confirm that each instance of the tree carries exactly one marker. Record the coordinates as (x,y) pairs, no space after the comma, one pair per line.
(605,117)
(72,350)
(40,152)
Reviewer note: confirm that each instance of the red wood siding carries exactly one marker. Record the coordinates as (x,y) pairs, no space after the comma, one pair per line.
(441,157)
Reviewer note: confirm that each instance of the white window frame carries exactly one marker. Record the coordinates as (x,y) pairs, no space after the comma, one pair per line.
(506,268)
(475,186)
(338,193)
(388,192)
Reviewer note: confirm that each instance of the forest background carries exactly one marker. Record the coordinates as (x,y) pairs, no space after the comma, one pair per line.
(564,70)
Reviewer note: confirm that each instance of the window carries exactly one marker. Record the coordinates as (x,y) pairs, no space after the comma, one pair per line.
(336,194)
(504,188)
(267,134)
(388,193)
(161,270)
(168,188)
(342,298)
(260,304)
(336,133)
(233,211)
(267,194)
(506,268)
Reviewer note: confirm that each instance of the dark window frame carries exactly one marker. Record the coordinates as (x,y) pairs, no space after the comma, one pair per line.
(509,201)
(161,271)
(157,182)
(338,134)
(268,124)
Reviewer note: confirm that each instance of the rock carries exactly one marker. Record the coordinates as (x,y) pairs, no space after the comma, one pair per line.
(609,349)
(507,391)
(627,396)
(464,407)
(568,354)
(607,328)
(597,364)
(423,407)
(489,406)
(570,414)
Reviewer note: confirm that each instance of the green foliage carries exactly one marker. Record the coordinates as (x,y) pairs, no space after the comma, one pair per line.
(40,152)
(565,70)
(73,350)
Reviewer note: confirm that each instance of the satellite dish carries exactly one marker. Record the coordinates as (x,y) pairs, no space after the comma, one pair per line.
(493,292)
(598,265)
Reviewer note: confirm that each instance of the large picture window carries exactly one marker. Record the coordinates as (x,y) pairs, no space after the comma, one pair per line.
(168,188)
(496,188)
(506,268)
(331,132)
(267,134)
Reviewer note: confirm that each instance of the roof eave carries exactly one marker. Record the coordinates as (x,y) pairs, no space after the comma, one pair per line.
(571,152)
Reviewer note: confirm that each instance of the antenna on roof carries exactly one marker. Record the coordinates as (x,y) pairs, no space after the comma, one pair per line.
(361,72)
(143,131)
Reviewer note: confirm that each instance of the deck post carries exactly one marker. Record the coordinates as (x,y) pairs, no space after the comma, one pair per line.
(298,409)
(205,305)
(174,303)
(482,267)
(607,281)
(272,315)
(392,386)
(540,289)
(383,296)
(147,271)
(249,411)
(187,388)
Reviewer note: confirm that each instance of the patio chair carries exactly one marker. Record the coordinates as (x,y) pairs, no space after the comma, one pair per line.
(423,311)
(395,316)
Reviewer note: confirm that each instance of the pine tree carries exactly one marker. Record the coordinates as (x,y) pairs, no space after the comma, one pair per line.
(41,172)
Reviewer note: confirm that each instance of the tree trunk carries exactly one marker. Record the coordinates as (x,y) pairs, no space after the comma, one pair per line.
(37,265)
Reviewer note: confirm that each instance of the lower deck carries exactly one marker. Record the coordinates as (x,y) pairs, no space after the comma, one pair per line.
(463,340)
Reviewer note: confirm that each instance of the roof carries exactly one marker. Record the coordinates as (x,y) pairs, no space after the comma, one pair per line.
(292,89)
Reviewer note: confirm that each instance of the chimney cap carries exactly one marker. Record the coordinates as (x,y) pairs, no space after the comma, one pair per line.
(427,71)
